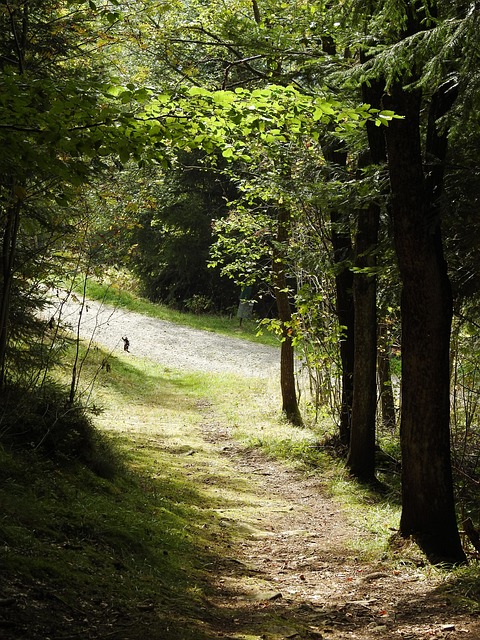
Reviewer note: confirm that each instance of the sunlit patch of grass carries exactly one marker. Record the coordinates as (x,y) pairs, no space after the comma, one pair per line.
(292,444)
(258,423)
(157,416)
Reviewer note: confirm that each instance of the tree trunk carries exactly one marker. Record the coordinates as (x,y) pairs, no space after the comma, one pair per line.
(387,399)
(428,511)
(287,357)
(342,253)
(10,234)
(361,455)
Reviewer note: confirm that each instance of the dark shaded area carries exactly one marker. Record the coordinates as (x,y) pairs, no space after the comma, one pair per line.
(41,420)
(172,242)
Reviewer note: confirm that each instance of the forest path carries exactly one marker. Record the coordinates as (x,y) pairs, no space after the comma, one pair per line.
(295,572)
(289,568)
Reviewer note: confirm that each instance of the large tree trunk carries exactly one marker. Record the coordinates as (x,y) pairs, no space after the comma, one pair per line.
(287,357)
(428,511)
(361,455)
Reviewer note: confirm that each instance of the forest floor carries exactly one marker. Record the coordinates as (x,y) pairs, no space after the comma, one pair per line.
(297,572)
(290,564)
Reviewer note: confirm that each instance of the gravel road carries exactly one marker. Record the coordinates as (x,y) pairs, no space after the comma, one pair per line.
(171,345)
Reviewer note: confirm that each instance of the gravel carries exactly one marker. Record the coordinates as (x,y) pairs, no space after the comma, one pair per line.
(171,345)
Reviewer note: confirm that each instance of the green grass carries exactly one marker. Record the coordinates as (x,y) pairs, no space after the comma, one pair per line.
(107,549)
(230,326)
(462,587)
(119,543)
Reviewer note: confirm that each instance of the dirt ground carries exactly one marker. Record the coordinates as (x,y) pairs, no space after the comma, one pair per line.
(293,564)
(297,566)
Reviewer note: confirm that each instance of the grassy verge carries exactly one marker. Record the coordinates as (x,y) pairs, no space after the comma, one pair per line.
(230,326)
(84,555)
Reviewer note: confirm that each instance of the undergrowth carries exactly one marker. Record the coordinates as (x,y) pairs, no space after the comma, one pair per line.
(95,552)
(98,532)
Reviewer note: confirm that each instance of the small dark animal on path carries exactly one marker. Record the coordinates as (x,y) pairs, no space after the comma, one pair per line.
(126,344)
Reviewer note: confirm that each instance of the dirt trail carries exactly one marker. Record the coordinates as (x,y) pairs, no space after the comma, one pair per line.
(292,572)
(296,568)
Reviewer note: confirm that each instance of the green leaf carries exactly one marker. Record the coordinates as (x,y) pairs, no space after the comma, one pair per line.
(325,107)
(114,90)
(199,91)
(124,155)
(112,16)
(224,97)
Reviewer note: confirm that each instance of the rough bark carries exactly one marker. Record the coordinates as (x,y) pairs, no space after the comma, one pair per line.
(428,510)
(361,455)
